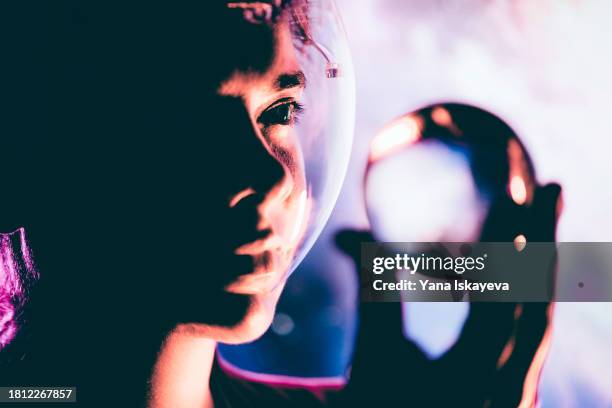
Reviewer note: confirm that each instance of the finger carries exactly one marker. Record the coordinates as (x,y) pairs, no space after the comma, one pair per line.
(544,213)
(379,322)
(380,345)
(384,361)
(349,241)
(484,334)
(521,363)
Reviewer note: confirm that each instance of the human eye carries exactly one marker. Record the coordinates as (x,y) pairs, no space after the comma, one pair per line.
(284,112)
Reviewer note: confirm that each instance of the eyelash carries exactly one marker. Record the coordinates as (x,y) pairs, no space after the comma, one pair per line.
(274,115)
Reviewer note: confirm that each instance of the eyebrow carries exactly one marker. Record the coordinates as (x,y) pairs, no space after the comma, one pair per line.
(290,80)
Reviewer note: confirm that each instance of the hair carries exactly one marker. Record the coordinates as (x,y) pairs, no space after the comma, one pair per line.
(17,275)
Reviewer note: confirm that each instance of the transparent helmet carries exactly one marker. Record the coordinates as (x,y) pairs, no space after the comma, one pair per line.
(324,128)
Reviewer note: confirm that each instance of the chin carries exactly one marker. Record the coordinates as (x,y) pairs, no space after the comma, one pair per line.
(251,323)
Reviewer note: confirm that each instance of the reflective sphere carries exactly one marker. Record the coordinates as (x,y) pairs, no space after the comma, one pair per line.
(434,174)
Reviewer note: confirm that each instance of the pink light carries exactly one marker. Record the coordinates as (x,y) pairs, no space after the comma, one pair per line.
(395,136)
(520,241)
(506,352)
(530,386)
(317,385)
(242,194)
(518,190)
(441,117)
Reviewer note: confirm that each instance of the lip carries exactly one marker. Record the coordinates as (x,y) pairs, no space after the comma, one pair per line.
(253,283)
(268,242)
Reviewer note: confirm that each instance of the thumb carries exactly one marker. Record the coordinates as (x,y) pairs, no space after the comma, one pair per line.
(545,211)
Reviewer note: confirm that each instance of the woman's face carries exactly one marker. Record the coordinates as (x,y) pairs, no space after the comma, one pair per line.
(267,206)
(176,176)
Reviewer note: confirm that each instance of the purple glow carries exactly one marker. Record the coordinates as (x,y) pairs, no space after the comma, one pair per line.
(8,326)
(17,274)
(316,385)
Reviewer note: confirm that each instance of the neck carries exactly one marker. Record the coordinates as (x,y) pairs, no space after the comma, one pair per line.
(181,374)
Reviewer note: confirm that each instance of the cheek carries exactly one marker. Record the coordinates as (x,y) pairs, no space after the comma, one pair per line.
(289,215)
(290,219)
(286,148)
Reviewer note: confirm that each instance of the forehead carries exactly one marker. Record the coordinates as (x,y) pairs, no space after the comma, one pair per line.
(280,70)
